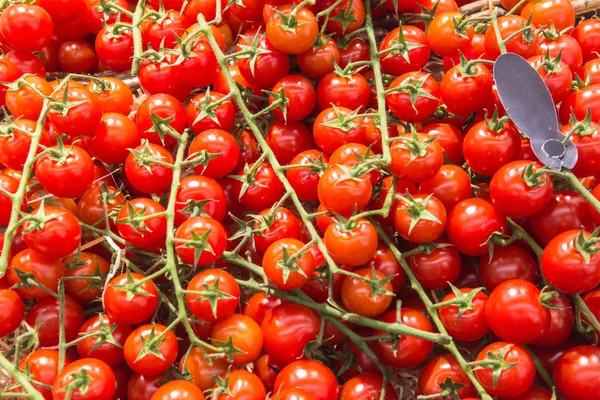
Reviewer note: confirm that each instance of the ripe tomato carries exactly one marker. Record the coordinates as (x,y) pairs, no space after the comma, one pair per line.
(366,386)
(84,115)
(129,304)
(561,323)
(559,13)
(296,40)
(285,267)
(587,34)
(26,27)
(46,316)
(90,208)
(384,261)
(507,262)
(509,187)
(310,376)
(167,108)
(444,38)
(217,295)
(46,272)
(87,378)
(25,63)
(15,146)
(145,175)
(259,305)
(515,313)
(10,185)
(571,266)
(286,329)
(436,269)
(294,394)
(67,172)
(114,95)
(416,158)
(524,44)
(199,111)
(486,149)
(356,50)
(359,298)
(178,389)
(160,340)
(349,91)
(264,189)
(565,45)
(512,382)
(535,393)
(199,195)
(241,384)
(273,227)
(465,324)
(244,333)
(13,311)
(352,245)
(57,236)
(437,371)
(265,69)
(407,351)
(286,140)
(98,348)
(450,186)
(147,233)
(160,77)
(202,371)
(222,146)
(335,127)
(42,366)
(301,98)
(470,224)
(449,137)
(557,79)
(114,48)
(420,219)
(25,101)
(577,373)
(320,59)
(398,56)
(352,10)
(417,96)
(113,138)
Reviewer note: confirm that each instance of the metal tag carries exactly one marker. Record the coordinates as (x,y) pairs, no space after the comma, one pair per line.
(529,105)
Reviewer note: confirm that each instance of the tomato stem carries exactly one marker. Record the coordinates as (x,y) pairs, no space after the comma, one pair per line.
(136,34)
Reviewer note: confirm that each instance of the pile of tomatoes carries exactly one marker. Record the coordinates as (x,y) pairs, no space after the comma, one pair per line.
(293,207)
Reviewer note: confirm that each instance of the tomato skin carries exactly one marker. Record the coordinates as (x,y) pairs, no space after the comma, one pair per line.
(354,246)
(47,272)
(216,141)
(264,196)
(557,81)
(443,38)
(435,270)
(115,52)
(153,232)
(106,352)
(587,34)
(416,58)
(449,138)
(149,177)
(508,25)
(366,386)
(26,103)
(10,185)
(8,73)
(210,278)
(423,231)
(450,186)
(245,334)
(283,225)
(26,27)
(275,254)
(486,151)
(469,326)
(310,376)
(577,373)
(384,261)
(294,394)
(259,305)
(329,138)
(286,140)
(81,119)
(318,62)
(578,102)
(25,63)
(59,236)
(301,96)
(415,169)
(303,180)
(196,188)
(70,177)
(512,382)
(224,112)
(535,393)
(113,137)
(164,106)
(437,371)
(357,296)
(90,208)
(77,56)
(507,262)
(567,47)
(178,389)
(561,323)
(132,311)
(464,94)
(508,188)
(269,67)
(161,78)
(116,97)
(565,211)
(287,328)
(45,314)
(243,385)
(411,351)
(399,102)
(43,368)
(470,224)
(13,311)
(202,371)
(343,91)
(515,314)
(564,266)
(293,41)
(560,13)
(150,364)
(101,384)
(592,301)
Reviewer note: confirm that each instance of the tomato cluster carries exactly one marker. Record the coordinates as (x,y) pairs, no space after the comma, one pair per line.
(293,206)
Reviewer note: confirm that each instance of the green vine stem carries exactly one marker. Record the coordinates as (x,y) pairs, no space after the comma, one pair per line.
(136,33)
(21,378)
